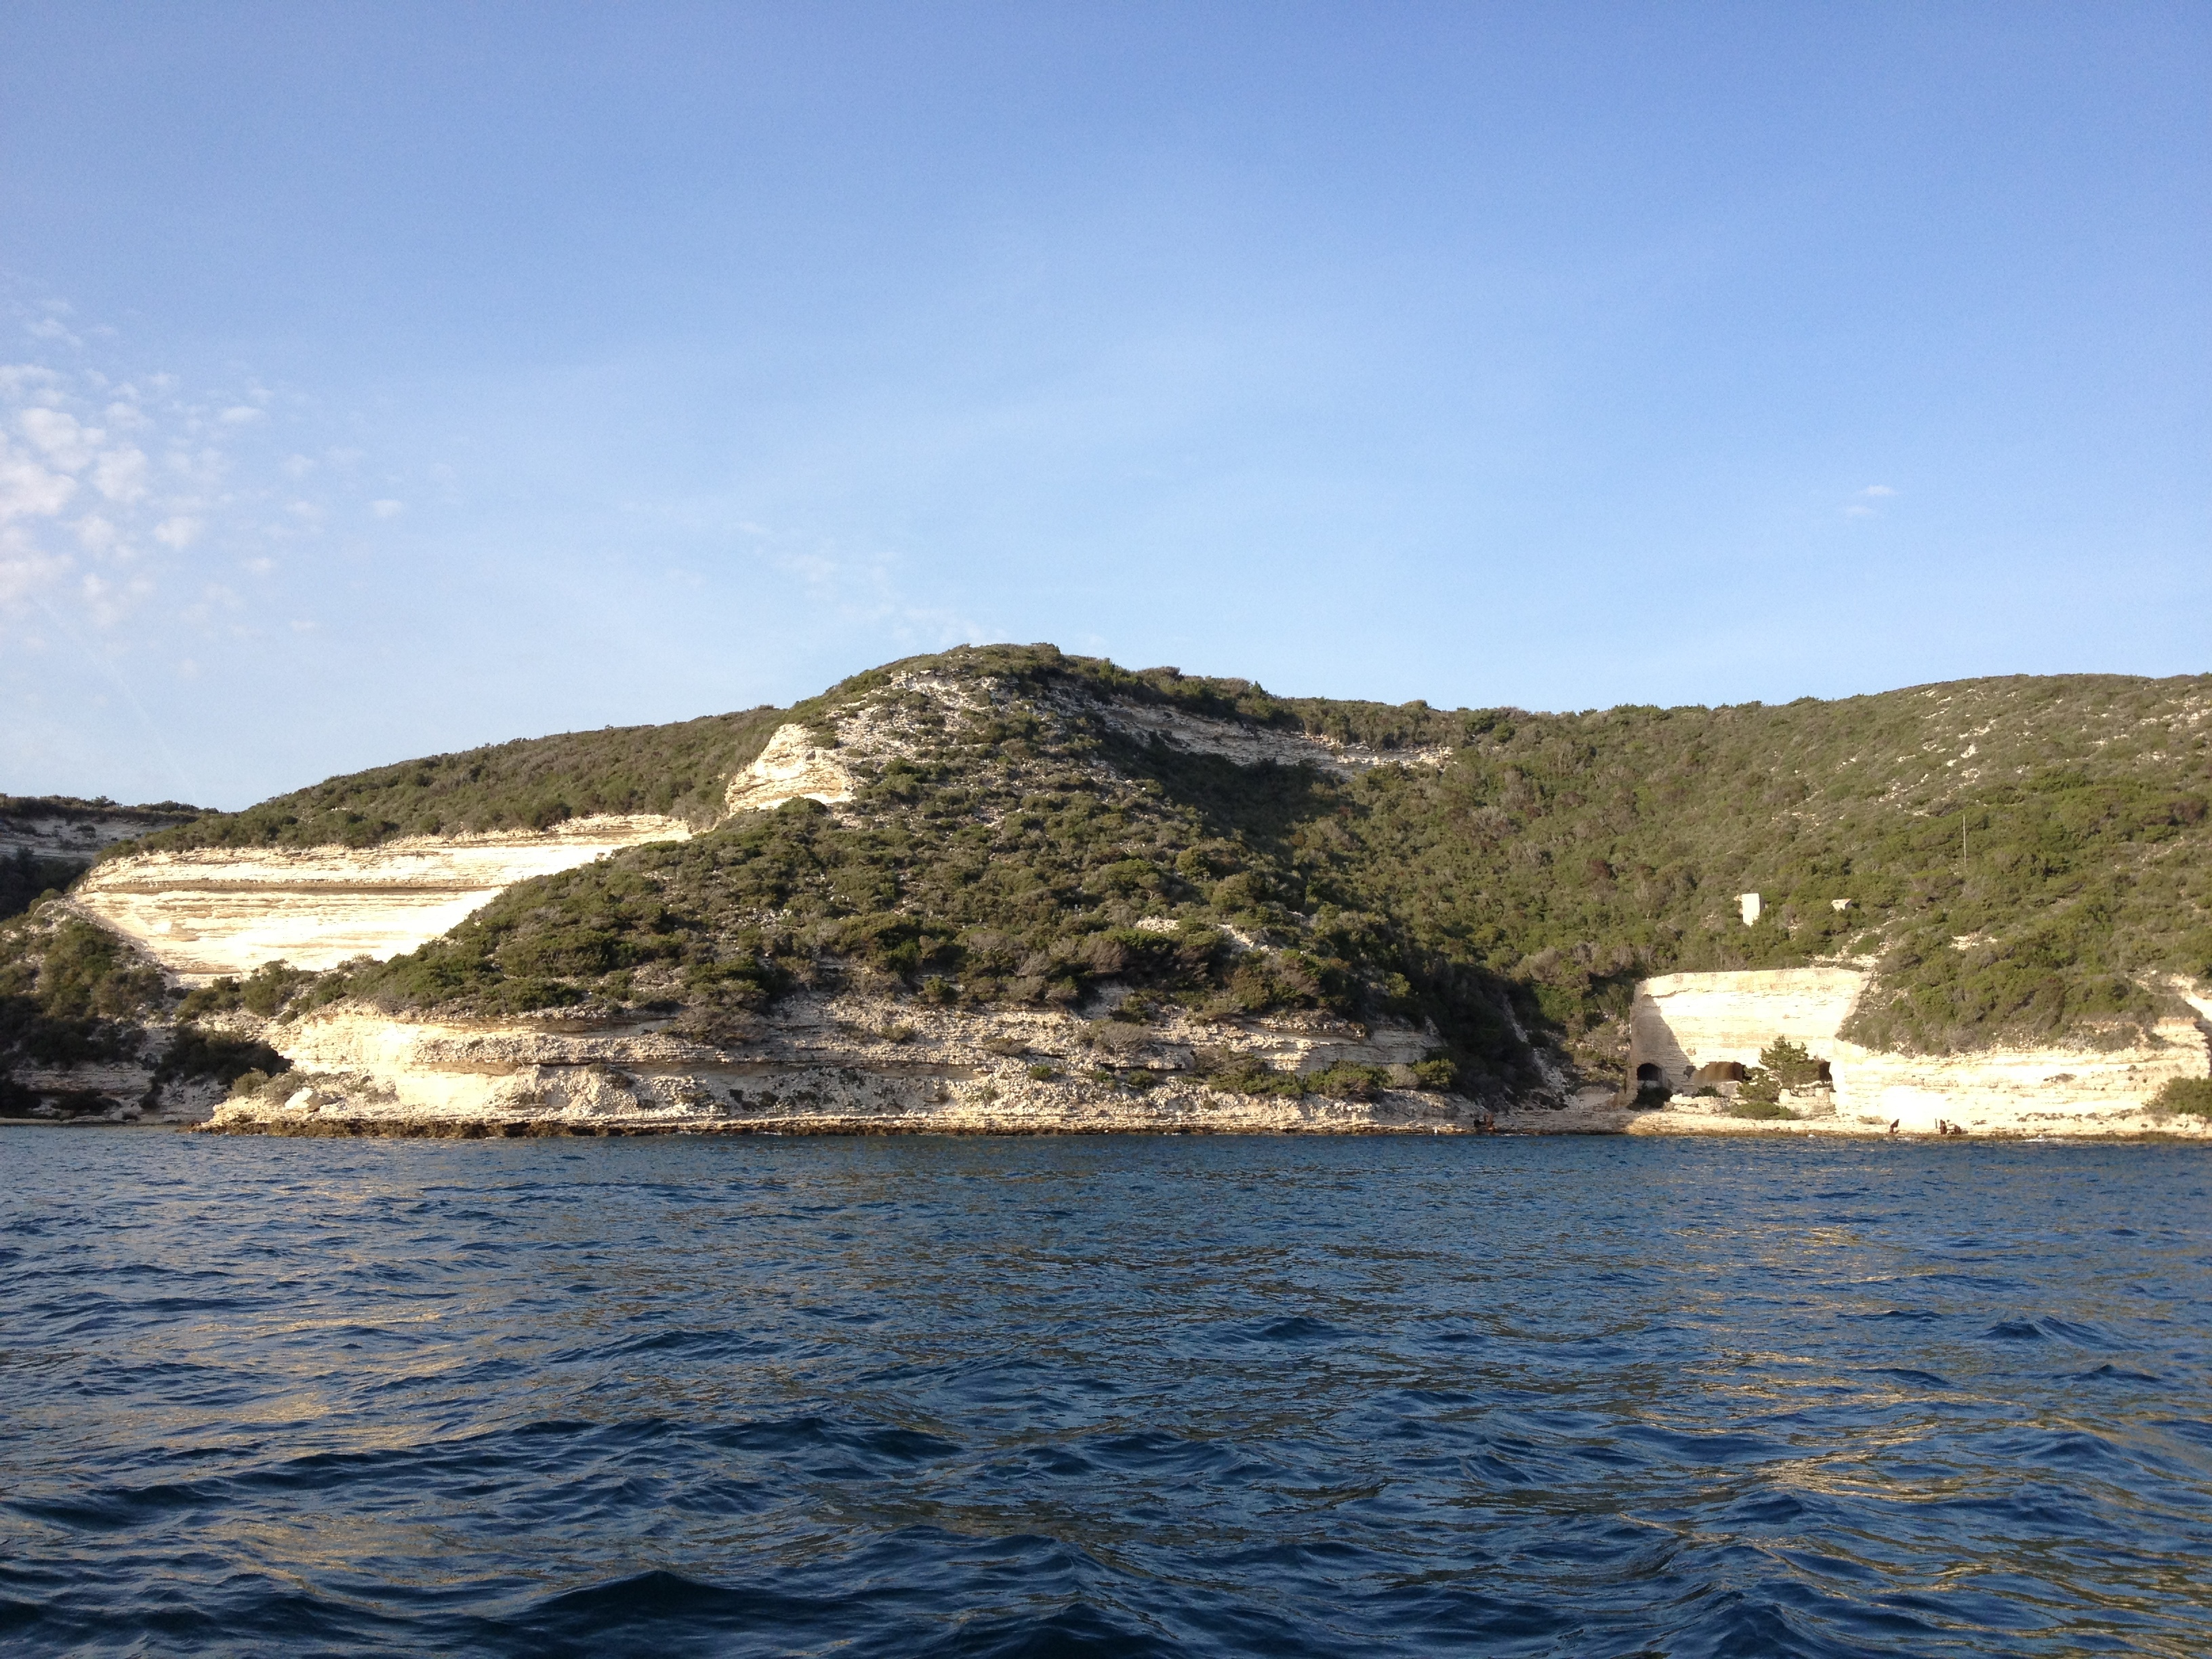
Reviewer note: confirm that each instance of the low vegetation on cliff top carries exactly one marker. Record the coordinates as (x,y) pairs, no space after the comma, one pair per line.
(676,771)
(25,876)
(2027,858)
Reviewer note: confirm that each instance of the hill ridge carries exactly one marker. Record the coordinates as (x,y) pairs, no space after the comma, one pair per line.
(1058,832)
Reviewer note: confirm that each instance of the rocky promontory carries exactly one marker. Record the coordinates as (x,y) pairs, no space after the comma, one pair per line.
(1005,890)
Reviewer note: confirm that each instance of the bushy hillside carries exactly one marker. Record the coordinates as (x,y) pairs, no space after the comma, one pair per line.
(72,995)
(1030,852)
(2026,858)
(679,771)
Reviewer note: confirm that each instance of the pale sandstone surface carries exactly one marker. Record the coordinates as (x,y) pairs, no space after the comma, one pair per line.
(212,911)
(1682,1021)
(798,764)
(824,1064)
(792,766)
(1679,1021)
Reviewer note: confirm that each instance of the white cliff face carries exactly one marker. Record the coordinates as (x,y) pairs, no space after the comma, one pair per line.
(840,1064)
(2032,1090)
(794,766)
(1681,1021)
(213,911)
(798,764)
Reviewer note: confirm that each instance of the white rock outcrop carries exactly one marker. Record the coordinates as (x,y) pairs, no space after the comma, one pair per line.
(2019,1090)
(1679,1021)
(1256,745)
(794,766)
(825,1064)
(212,911)
(1682,1021)
(61,833)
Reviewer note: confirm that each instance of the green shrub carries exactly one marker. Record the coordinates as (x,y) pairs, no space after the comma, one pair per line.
(70,992)
(1791,1064)
(193,1053)
(1764,1109)
(2192,1095)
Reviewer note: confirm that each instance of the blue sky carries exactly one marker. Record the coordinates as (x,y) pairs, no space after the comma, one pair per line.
(383,379)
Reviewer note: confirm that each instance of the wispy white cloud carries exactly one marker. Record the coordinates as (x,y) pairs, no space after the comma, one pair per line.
(119,474)
(64,440)
(125,491)
(29,489)
(26,571)
(1867,503)
(865,590)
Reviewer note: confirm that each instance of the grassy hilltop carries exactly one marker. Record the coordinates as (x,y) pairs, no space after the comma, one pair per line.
(1511,897)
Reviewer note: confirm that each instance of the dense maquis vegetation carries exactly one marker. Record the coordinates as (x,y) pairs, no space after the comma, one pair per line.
(2026,859)
(679,771)
(72,994)
(1530,882)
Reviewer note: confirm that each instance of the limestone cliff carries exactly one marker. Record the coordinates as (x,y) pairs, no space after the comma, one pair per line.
(47,842)
(78,831)
(1682,1021)
(203,912)
(840,1064)
(1007,846)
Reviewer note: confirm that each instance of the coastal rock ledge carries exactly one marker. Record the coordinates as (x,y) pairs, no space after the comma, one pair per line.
(845,1065)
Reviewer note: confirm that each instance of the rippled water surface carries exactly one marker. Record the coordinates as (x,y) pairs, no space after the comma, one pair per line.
(1103,1396)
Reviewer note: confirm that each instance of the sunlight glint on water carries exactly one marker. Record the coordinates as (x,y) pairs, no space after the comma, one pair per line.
(1104,1396)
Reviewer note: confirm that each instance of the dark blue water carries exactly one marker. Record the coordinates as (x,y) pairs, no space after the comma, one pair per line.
(1103,1397)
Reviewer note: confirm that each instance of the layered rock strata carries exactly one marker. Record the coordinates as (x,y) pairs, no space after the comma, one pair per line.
(828,1065)
(1679,1021)
(214,911)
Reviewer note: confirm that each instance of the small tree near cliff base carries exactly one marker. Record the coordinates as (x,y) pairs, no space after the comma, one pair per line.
(1783,1065)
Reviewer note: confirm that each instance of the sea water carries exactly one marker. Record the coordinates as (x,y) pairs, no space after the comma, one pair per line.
(1103,1396)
